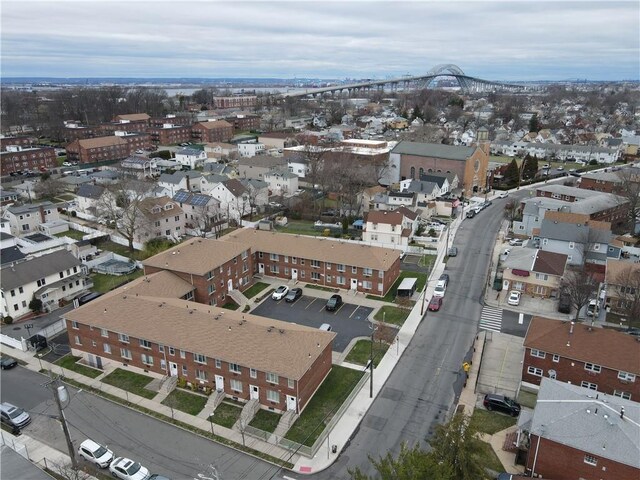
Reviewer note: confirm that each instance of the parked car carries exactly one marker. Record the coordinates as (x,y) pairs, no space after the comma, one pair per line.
(516,242)
(67,164)
(127,469)
(592,308)
(7,362)
(441,288)
(293,295)
(471,214)
(445,278)
(501,403)
(514,298)
(325,327)
(503,195)
(435,303)
(280,292)
(333,303)
(564,302)
(156,476)
(95,453)
(14,416)
(453,251)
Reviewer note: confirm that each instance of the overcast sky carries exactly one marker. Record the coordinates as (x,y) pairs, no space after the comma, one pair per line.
(514,40)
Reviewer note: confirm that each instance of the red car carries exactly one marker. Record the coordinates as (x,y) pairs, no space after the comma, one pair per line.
(435,304)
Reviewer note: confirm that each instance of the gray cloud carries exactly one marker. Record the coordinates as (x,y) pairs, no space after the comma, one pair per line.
(514,40)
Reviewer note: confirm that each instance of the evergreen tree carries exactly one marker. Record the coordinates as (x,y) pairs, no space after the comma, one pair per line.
(534,124)
(511,173)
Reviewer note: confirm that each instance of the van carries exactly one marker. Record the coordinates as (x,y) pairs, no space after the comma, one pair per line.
(592,308)
(326,327)
(14,416)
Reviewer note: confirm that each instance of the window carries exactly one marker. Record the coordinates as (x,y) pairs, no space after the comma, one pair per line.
(271,377)
(61,274)
(218,363)
(125,353)
(74,324)
(41,282)
(274,269)
(77,340)
(556,357)
(302,274)
(294,259)
(589,385)
(572,245)
(201,375)
(236,385)
(123,338)
(625,395)
(183,354)
(327,265)
(538,353)
(20,290)
(291,383)
(273,257)
(172,351)
(107,348)
(104,332)
(185,372)
(354,269)
(145,344)
(591,367)
(234,367)
(340,280)
(590,459)
(13,293)
(380,287)
(199,358)
(273,396)
(94,343)
(315,263)
(534,371)
(367,272)
(315,276)
(340,267)
(259,254)
(627,377)
(367,285)
(147,359)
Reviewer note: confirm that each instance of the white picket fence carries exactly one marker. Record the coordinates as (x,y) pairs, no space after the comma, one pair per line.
(13,343)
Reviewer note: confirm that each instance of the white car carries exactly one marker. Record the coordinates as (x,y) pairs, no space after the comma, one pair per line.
(67,164)
(506,252)
(280,292)
(503,195)
(516,242)
(441,288)
(514,298)
(127,469)
(95,453)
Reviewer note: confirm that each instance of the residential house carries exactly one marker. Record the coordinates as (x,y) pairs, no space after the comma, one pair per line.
(608,182)
(600,359)
(219,150)
(623,288)
(159,217)
(234,198)
(242,356)
(89,199)
(368,195)
(424,191)
(447,182)
(575,235)
(576,433)
(190,157)
(559,152)
(189,180)
(140,119)
(250,149)
(279,140)
(8,197)
(257,167)
(534,272)
(468,163)
(139,167)
(201,212)
(214,131)
(17,158)
(24,219)
(281,182)
(50,278)
(395,227)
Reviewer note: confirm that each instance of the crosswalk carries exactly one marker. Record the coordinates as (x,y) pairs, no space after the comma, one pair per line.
(491,318)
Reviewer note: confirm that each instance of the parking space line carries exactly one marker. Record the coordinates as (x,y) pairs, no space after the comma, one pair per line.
(309,304)
(354,311)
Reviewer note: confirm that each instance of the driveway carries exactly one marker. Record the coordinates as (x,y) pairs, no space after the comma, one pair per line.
(348,322)
(18,329)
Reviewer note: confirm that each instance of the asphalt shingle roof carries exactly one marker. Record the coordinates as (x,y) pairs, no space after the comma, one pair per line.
(36,268)
(435,150)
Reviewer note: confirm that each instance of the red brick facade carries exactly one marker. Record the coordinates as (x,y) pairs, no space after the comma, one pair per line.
(210,132)
(616,215)
(24,142)
(170,135)
(27,159)
(562,462)
(107,149)
(597,185)
(244,122)
(247,101)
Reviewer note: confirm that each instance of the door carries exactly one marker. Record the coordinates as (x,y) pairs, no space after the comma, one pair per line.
(354,284)
(219,383)
(261,268)
(99,362)
(230,285)
(294,274)
(173,369)
(254,392)
(291,403)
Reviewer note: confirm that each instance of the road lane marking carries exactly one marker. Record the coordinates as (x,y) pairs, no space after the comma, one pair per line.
(357,307)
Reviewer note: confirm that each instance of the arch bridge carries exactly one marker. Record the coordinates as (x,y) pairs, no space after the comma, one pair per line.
(466,82)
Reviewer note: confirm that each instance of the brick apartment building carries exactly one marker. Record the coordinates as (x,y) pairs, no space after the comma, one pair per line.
(168,134)
(599,359)
(215,131)
(576,434)
(23,141)
(243,122)
(244,356)
(75,131)
(244,101)
(18,158)
(141,119)
(107,149)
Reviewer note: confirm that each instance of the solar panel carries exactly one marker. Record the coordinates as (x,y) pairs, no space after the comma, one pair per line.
(181,197)
(199,200)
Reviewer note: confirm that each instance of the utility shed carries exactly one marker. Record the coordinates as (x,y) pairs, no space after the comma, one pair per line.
(407,287)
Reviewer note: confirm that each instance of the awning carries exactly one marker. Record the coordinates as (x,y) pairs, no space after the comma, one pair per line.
(520,273)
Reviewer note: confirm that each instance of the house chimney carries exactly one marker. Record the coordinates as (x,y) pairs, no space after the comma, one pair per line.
(41,208)
(188,184)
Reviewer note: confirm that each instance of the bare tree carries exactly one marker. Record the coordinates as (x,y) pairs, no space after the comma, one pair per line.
(67,470)
(208,218)
(626,285)
(121,204)
(48,187)
(581,287)
(511,212)
(629,192)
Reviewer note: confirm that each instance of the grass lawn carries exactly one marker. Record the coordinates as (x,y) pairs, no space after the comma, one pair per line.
(255,289)
(185,402)
(231,305)
(393,315)
(70,363)
(491,422)
(226,415)
(265,420)
(486,456)
(319,287)
(427,261)
(527,399)
(333,391)
(391,294)
(121,250)
(75,234)
(361,352)
(105,283)
(301,227)
(130,381)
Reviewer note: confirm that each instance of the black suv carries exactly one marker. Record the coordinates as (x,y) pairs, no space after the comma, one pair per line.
(333,303)
(502,404)
(564,304)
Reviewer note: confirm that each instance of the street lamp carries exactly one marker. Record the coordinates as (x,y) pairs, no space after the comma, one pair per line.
(373,329)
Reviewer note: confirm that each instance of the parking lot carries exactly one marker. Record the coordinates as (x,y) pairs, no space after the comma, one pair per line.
(348,322)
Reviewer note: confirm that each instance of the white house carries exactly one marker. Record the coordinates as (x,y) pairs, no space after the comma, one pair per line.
(234,198)
(391,227)
(298,166)
(49,278)
(190,157)
(160,217)
(201,211)
(281,182)
(189,180)
(139,166)
(25,219)
(250,149)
